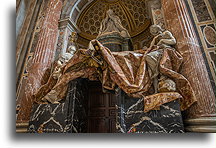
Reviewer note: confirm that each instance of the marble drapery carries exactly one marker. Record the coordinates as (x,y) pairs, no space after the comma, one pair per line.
(126,70)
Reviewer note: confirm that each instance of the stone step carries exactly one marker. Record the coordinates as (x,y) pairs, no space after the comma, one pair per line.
(22,127)
(21,130)
(203,125)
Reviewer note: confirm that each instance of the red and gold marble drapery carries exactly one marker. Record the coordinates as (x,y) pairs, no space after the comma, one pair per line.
(127,70)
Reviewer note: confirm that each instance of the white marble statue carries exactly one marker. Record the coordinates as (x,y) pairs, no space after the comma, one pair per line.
(111,24)
(162,39)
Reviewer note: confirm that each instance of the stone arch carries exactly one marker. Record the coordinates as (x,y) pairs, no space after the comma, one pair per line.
(72,8)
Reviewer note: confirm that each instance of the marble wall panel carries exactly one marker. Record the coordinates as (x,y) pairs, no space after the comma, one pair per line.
(209,34)
(24,33)
(62,43)
(156,13)
(202,12)
(212,54)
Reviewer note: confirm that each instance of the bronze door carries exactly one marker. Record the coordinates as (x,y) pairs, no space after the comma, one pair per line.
(101,110)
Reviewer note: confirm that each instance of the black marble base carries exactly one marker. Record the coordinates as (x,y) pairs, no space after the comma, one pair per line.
(66,117)
(132,119)
(48,118)
(70,116)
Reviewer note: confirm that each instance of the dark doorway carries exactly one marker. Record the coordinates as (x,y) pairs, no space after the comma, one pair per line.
(101,109)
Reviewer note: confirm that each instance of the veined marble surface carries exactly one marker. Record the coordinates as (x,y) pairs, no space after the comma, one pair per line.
(66,117)
(71,116)
(132,119)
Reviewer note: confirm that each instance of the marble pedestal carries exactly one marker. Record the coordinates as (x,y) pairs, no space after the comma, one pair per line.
(132,119)
(66,117)
(70,116)
(115,42)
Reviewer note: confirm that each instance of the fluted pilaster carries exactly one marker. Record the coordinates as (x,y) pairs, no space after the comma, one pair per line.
(178,21)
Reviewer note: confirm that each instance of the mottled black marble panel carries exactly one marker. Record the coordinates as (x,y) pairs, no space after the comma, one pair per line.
(120,119)
(116,43)
(79,116)
(70,116)
(114,47)
(66,117)
(47,118)
(132,119)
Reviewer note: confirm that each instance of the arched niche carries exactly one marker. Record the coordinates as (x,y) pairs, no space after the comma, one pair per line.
(85,16)
(133,15)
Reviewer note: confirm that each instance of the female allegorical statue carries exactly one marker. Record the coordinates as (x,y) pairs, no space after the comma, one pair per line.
(162,39)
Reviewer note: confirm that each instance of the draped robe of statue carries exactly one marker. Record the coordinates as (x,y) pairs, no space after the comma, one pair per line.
(126,70)
(112,24)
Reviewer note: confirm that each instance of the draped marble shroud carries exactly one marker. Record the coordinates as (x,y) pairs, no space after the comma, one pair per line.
(127,70)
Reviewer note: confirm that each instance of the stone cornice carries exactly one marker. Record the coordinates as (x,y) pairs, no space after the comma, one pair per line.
(67,22)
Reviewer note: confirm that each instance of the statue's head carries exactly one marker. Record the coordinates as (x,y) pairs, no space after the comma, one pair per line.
(155,29)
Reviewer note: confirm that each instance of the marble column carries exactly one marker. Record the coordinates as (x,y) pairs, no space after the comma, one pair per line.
(42,57)
(202,114)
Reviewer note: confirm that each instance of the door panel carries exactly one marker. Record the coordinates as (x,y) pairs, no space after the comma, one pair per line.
(101,110)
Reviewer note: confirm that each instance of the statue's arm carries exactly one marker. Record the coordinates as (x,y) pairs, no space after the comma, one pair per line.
(153,41)
(168,41)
